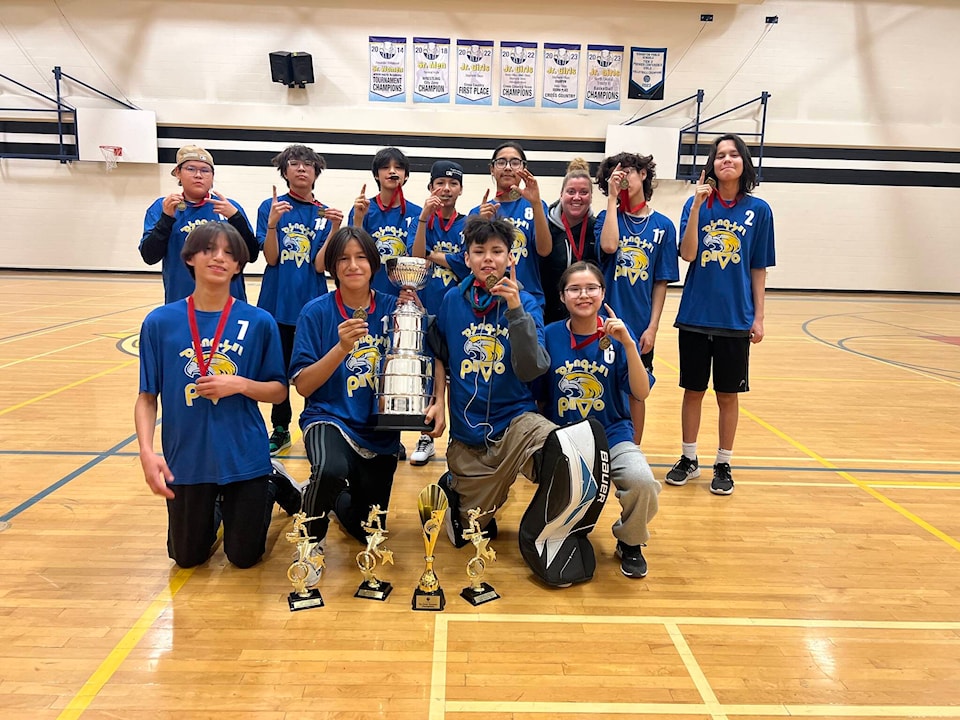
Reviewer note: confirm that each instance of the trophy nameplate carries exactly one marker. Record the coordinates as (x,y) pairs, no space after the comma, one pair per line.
(432,504)
(372,588)
(478,592)
(307,566)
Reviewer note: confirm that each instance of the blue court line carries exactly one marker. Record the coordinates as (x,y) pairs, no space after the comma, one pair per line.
(30,502)
(75,322)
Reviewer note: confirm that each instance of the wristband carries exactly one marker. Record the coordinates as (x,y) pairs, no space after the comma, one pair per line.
(422,221)
(271,227)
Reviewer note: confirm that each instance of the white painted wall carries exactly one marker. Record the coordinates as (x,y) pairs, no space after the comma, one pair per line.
(860,73)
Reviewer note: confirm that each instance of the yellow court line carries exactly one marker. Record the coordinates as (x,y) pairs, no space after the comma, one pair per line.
(916,519)
(711,703)
(51,352)
(79,702)
(72,385)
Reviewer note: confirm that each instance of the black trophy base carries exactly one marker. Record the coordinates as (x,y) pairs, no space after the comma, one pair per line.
(367,591)
(304,602)
(403,423)
(478,597)
(424,600)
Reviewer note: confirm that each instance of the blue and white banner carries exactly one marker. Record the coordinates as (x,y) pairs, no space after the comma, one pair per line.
(604,76)
(431,75)
(518,73)
(474,72)
(388,68)
(561,76)
(648,68)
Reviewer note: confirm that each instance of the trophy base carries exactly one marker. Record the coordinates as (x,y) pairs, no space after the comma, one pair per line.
(304,602)
(423,600)
(368,592)
(402,423)
(478,597)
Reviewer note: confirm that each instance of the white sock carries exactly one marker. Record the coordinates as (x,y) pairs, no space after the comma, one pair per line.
(724,456)
(689,450)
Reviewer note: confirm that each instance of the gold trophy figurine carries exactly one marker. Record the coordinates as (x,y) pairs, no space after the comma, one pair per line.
(371,588)
(432,504)
(307,565)
(478,592)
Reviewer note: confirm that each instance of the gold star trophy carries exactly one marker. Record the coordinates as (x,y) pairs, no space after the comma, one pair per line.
(371,588)
(478,592)
(307,565)
(432,504)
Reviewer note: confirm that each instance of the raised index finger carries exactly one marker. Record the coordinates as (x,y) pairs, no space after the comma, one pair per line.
(363,190)
(486,196)
(703,177)
(274,193)
(610,312)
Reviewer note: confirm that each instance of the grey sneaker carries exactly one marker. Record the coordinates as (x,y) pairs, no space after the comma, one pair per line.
(684,469)
(632,562)
(722,483)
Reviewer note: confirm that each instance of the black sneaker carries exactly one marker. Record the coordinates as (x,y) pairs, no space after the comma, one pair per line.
(491,529)
(288,494)
(320,497)
(451,520)
(722,483)
(685,469)
(279,439)
(632,562)
(402,453)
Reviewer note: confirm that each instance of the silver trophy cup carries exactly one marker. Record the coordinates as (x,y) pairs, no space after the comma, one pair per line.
(405,375)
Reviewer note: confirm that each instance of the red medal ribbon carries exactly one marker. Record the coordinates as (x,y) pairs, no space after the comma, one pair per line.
(501,196)
(202,362)
(343,311)
(625,204)
(577,250)
(727,205)
(439,218)
(312,201)
(393,198)
(192,204)
(574,345)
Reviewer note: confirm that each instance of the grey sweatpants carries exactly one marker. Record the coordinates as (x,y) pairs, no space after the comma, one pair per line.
(637,491)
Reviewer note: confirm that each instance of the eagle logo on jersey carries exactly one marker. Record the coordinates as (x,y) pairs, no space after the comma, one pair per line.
(721,246)
(362,362)
(582,393)
(390,246)
(296,247)
(441,272)
(632,263)
(484,351)
(219,364)
(519,248)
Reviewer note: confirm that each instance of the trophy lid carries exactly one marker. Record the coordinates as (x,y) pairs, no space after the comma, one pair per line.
(408,272)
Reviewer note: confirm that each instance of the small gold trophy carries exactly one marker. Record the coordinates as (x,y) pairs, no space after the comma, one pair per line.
(371,588)
(307,565)
(478,592)
(432,504)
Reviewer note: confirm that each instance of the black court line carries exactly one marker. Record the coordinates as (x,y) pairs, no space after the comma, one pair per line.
(76,322)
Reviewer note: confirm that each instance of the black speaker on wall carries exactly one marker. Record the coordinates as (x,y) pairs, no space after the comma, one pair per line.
(293,69)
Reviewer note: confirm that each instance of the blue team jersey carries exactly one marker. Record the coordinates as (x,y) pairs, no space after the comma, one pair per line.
(177,282)
(718,291)
(449,242)
(524,251)
(293,281)
(348,397)
(586,382)
(392,230)
(210,441)
(647,254)
(485,394)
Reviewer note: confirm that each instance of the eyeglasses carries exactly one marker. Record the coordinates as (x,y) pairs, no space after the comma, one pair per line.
(514,163)
(194,170)
(588,290)
(299,165)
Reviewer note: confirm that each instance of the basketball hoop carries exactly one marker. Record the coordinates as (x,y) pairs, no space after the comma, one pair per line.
(111,154)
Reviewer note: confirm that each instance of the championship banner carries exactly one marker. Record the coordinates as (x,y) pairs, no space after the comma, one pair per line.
(388,66)
(431,78)
(604,72)
(648,68)
(561,75)
(474,72)
(518,73)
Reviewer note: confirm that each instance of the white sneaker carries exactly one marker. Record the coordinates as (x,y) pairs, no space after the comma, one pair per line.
(425,450)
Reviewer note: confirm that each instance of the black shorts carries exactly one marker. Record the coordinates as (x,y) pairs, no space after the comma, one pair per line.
(728,356)
(647,359)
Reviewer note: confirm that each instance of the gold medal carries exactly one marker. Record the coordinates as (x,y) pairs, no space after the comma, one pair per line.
(712,183)
(605,342)
(321,212)
(181,206)
(359,314)
(514,194)
(624,183)
(491,281)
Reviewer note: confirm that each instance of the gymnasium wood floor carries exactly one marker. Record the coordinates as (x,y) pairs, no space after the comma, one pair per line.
(827,586)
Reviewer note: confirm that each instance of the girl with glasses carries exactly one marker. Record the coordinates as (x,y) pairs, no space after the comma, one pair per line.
(594,367)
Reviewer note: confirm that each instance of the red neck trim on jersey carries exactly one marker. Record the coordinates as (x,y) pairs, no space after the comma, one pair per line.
(725,203)
(343,310)
(204,362)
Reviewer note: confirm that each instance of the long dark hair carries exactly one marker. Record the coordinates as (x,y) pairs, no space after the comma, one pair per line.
(333,249)
(627,160)
(748,180)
